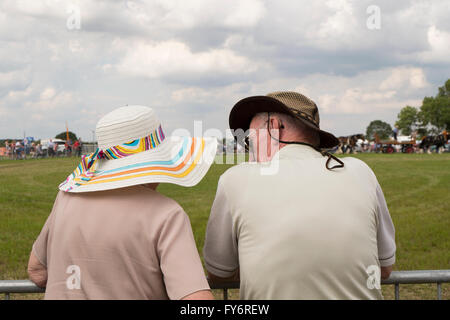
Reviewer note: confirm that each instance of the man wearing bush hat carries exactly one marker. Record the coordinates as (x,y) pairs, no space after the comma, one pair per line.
(110,235)
(317,227)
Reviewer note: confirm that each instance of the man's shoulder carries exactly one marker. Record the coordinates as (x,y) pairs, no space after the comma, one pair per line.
(239,171)
(355,162)
(358,166)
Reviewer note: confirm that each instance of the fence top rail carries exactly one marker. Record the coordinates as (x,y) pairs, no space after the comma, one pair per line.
(397,277)
(418,276)
(19,286)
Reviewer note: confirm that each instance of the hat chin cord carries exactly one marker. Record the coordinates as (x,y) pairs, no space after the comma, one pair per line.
(323,152)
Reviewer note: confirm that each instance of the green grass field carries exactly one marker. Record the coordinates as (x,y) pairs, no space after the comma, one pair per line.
(416,187)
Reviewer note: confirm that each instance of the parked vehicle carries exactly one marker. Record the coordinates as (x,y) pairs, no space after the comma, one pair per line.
(59,142)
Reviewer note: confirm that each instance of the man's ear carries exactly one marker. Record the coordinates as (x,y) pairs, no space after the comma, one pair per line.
(275,123)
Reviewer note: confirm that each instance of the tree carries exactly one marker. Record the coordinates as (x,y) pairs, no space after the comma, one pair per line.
(435,111)
(445,89)
(408,120)
(382,129)
(63,136)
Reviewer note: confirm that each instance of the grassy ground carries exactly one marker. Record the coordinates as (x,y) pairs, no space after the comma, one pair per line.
(416,188)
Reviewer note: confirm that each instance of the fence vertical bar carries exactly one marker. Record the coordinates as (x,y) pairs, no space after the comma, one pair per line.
(225,294)
(397,291)
(439,291)
(7,296)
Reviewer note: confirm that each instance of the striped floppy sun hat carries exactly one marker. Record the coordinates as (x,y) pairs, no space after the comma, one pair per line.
(133,149)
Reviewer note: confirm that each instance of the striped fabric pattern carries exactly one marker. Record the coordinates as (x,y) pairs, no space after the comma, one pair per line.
(183,163)
(129,148)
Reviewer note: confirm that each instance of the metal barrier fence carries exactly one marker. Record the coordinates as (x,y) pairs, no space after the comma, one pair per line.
(397,278)
(88,148)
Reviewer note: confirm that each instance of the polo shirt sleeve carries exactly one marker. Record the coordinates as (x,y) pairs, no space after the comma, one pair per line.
(220,251)
(385,232)
(179,259)
(39,247)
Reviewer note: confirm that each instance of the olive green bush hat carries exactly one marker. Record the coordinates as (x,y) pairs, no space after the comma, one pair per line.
(288,102)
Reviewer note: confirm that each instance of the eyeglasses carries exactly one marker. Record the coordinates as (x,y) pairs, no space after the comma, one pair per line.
(248,140)
(247,143)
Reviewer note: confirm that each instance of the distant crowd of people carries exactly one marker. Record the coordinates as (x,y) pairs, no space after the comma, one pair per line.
(23,149)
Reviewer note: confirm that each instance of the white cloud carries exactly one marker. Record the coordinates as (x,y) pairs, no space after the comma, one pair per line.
(11,79)
(173,57)
(359,94)
(33,8)
(439,41)
(373,96)
(390,88)
(36,98)
(190,94)
(19,94)
(180,14)
(50,100)
(402,77)
(340,23)
(226,94)
(48,94)
(326,102)
(245,13)
(303,90)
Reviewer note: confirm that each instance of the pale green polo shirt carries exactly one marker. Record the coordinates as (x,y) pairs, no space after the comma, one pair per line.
(300,231)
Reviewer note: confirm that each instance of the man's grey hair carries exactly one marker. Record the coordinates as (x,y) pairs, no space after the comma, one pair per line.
(302,132)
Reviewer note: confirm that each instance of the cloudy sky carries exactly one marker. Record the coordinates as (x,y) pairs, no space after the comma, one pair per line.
(76,60)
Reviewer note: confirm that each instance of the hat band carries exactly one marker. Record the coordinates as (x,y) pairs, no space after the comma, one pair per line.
(132,147)
(304,116)
(88,163)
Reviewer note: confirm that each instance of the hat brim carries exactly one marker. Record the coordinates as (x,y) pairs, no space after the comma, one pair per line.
(178,160)
(244,110)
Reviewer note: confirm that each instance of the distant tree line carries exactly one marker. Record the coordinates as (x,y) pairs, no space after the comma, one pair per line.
(432,117)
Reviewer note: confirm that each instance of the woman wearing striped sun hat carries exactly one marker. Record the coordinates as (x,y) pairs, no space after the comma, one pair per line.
(132,149)
(110,235)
